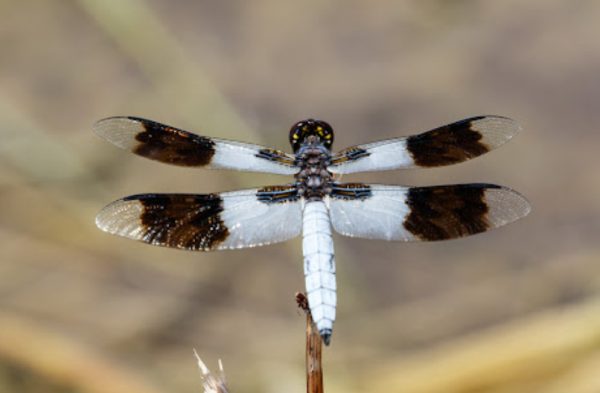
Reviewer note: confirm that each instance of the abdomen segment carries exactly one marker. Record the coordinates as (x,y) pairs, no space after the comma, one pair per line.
(319,267)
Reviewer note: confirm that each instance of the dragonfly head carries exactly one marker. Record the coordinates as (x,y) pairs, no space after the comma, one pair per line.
(306,131)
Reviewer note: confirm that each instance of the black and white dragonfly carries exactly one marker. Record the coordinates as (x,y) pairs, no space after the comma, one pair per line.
(315,201)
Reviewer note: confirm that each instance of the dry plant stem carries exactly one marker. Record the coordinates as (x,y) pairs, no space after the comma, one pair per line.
(314,370)
(211,382)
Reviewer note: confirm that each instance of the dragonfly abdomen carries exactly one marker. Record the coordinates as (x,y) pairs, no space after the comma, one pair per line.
(319,266)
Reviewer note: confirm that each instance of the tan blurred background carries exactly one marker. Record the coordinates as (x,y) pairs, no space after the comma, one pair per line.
(513,310)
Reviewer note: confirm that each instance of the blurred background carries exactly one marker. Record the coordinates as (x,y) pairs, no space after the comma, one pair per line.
(512,310)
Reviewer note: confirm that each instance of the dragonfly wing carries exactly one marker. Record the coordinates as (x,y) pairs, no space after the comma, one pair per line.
(423,213)
(207,222)
(171,145)
(446,145)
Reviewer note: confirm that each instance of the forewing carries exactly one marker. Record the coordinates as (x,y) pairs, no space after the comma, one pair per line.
(170,145)
(423,213)
(206,222)
(446,145)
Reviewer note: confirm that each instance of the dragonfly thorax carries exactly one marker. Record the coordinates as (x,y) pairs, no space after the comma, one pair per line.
(314,180)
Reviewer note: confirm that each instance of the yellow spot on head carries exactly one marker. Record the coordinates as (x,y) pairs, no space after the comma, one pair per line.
(328,136)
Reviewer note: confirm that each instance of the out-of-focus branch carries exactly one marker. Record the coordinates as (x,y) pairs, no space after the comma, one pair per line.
(63,360)
(537,350)
(161,57)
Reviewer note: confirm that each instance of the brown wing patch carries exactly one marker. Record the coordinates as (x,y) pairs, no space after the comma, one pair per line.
(449,144)
(446,212)
(185,221)
(171,145)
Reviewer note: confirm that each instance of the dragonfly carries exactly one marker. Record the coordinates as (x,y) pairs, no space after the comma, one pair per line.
(315,201)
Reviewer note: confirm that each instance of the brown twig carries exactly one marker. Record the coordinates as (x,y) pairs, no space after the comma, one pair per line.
(314,371)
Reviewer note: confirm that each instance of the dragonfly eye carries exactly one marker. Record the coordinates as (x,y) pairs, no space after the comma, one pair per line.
(296,134)
(325,132)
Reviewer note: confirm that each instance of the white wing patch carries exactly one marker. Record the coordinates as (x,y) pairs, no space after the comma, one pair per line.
(242,157)
(383,155)
(378,217)
(252,223)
